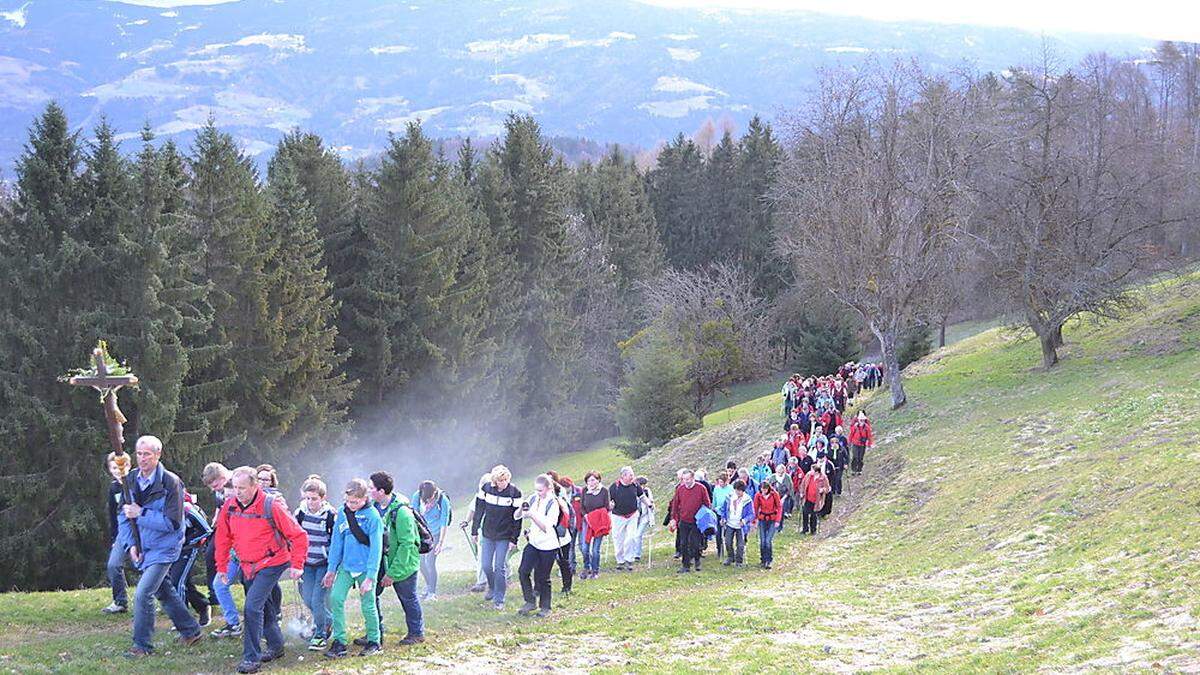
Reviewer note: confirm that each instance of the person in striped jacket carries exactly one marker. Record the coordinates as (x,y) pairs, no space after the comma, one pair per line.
(316,517)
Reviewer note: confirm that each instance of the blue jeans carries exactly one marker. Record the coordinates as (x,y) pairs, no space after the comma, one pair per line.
(429,570)
(766,539)
(591,558)
(153,585)
(115,570)
(581,542)
(406,592)
(316,598)
(262,614)
(494,554)
(225,597)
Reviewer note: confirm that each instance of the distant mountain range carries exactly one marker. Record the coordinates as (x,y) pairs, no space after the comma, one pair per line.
(353,70)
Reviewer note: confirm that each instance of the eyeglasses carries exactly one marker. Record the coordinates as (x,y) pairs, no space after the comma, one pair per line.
(265,479)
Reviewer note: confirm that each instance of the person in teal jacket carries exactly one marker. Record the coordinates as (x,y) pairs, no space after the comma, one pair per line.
(434,507)
(354,562)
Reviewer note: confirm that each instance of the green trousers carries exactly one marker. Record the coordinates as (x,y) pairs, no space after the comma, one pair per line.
(342,584)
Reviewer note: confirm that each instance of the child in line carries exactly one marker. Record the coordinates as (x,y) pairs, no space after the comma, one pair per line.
(218,478)
(317,517)
(355,551)
(118,466)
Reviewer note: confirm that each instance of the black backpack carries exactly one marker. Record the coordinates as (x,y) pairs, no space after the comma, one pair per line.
(424,535)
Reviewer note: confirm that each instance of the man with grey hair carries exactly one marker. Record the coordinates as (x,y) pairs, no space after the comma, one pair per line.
(157,508)
(624,495)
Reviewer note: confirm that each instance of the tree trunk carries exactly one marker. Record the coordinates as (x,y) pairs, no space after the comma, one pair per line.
(942,333)
(891,361)
(1049,350)
(1056,335)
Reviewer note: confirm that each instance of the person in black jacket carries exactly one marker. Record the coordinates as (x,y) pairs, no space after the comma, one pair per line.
(195,539)
(495,505)
(115,569)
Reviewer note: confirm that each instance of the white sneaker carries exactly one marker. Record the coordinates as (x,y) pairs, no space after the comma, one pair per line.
(114,609)
(430,597)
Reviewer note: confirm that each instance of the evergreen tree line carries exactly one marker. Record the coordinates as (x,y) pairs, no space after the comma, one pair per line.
(474,306)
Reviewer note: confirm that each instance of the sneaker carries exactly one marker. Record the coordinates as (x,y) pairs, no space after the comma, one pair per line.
(683,570)
(336,650)
(189,641)
(727,563)
(478,588)
(542,613)
(527,609)
(316,644)
(137,653)
(205,616)
(227,631)
(412,640)
(115,609)
(249,667)
(361,641)
(499,606)
(273,656)
(432,597)
(371,648)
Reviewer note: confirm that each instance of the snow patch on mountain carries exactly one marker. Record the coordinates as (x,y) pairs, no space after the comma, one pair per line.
(367,107)
(847,50)
(281,42)
(677,84)
(683,54)
(532,90)
(221,64)
(677,108)
(681,37)
(16,16)
(141,83)
(392,49)
(16,88)
(400,124)
(167,4)
(528,44)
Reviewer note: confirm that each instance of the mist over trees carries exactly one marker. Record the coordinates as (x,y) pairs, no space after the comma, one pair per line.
(436,314)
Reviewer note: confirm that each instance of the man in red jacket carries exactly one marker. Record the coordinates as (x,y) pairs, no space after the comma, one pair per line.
(267,545)
(689,497)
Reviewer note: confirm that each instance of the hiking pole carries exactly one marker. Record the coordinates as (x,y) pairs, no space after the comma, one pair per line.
(471,543)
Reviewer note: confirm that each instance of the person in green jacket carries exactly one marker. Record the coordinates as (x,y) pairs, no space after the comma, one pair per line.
(401,557)
(355,556)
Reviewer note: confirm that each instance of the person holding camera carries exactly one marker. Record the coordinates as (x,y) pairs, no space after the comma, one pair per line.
(545,536)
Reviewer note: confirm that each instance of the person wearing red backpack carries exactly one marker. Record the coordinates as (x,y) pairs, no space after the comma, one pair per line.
(269,544)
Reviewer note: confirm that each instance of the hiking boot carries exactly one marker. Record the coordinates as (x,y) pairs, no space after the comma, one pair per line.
(527,609)
(249,667)
(361,641)
(727,563)
(189,641)
(316,644)
(115,609)
(336,650)
(542,613)
(683,570)
(273,656)
(227,631)
(137,653)
(205,617)
(370,649)
(432,597)
(499,606)
(411,640)
(478,588)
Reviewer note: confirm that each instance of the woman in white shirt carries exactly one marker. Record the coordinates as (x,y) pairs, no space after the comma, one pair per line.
(545,537)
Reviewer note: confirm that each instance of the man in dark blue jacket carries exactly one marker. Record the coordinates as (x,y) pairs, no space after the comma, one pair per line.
(157,508)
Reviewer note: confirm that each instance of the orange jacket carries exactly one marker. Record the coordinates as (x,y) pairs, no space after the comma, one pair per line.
(768,506)
(247,531)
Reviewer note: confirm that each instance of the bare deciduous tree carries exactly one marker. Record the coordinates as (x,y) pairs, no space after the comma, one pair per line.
(870,195)
(1067,197)
(721,325)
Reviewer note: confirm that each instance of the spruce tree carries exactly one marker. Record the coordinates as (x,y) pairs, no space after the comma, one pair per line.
(305,396)
(676,189)
(723,200)
(52,441)
(758,159)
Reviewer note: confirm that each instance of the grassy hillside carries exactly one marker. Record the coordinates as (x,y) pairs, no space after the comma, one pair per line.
(1010,520)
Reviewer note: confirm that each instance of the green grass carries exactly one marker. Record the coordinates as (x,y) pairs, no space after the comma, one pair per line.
(1010,520)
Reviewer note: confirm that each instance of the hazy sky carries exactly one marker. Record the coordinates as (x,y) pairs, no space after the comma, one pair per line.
(1161,19)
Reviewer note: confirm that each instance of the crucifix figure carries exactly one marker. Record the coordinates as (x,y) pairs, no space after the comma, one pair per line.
(108,385)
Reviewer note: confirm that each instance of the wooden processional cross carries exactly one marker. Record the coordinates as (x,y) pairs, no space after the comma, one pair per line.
(108,386)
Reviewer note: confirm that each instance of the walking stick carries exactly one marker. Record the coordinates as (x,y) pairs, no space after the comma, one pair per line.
(471,543)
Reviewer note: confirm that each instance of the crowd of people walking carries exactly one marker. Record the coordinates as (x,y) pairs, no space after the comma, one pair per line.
(379,539)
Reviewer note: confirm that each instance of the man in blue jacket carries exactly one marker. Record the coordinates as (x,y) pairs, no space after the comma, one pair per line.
(157,508)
